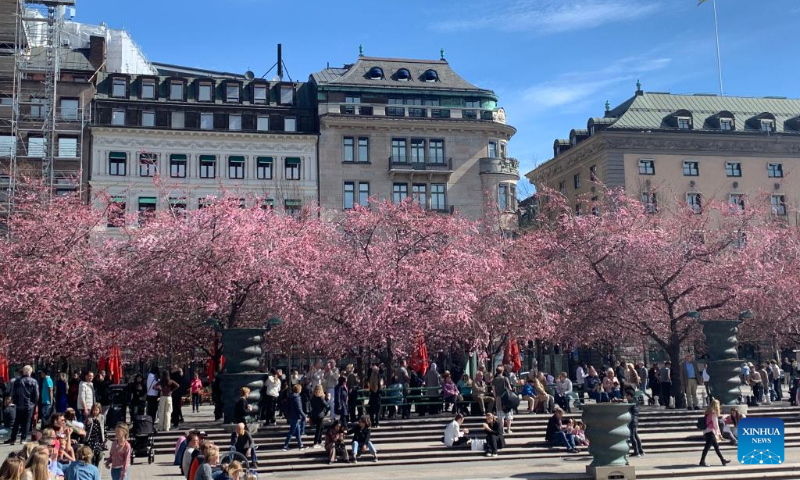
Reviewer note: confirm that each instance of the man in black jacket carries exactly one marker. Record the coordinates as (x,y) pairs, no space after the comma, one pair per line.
(25,393)
(177,396)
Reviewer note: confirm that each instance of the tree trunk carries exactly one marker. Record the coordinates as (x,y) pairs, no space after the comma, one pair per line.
(674,353)
(389,359)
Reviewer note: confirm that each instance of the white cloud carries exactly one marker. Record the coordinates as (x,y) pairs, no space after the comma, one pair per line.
(550,16)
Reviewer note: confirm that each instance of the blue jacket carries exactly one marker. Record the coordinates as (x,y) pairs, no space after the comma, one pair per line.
(25,393)
(81,471)
(296,409)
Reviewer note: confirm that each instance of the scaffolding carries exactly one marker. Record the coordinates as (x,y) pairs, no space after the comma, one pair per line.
(42,137)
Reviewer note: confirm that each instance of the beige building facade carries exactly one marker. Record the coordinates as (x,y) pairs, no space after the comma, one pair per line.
(689,149)
(392,129)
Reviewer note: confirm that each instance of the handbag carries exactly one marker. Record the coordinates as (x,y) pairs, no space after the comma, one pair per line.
(510,400)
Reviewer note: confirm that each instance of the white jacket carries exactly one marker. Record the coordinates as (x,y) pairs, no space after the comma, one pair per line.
(85,396)
(273,386)
(452,433)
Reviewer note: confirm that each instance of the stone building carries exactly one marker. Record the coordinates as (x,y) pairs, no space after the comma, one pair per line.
(394,128)
(173,139)
(660,147)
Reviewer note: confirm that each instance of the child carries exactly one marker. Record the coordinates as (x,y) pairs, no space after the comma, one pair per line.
(636,442)
(528,394)
(196,387)
(361,440)
(580,434)
(119,457)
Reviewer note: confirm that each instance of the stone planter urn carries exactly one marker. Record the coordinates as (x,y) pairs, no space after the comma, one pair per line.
(242,349)
(723,362)
(607,432)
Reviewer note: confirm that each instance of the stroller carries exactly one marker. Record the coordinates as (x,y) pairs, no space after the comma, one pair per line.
(143,435)
(118,408)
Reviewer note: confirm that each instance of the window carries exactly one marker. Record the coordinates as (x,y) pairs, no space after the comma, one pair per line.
(148,89)
(431,102)
(399,192)
(436,149)
(767,125)
(492,149)
(684,123)
(778,203)
(595,207)
(576,181)
(232,92)
(363,194)
(260,94)
(176,91)
(363,149)
(147,164)
(268,204)
(177,166)
(69,109)
(292,171)
(178,120)
(690,169)
(438,196)
(234,122)
(68,147)
(38,108)
(147,208)
(647,167)
(395,111)
(116,212)
(733,169)
(775,170)
(416,112)
(287,95)
(695,202)
(650,202)
(118,117)
(236,167)
(472,103)
(417,150)
(292,207)
(116,163)
(349,149)
(419,194)
(502,196)
(207,121)
(119,88)
(289,124)
(148,118)
(577,209)
(562,186)
(178,206)
(204,92)
(264,168)
(736,200)
(36,147)
(399,150)
(208,166)
(352,99)
(593,173)
(262,123)
(726,124)
(502,149)
(349,195)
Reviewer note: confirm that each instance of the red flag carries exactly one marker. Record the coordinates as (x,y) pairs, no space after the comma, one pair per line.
(511,356)
(211,365)
(419,360)
(101,365)
(114,365)
(4,368)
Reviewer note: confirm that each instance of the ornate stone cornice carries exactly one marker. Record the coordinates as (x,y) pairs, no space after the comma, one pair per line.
(117,138)
(388,123)
(203,134)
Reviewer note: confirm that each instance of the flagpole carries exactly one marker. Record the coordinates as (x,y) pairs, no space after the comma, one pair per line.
(719,58)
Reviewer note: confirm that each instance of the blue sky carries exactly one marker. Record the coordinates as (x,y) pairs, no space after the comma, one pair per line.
(553,63)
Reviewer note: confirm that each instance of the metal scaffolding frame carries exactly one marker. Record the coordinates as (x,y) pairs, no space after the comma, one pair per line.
(37,118)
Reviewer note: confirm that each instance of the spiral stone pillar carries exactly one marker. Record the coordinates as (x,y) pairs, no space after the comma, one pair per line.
(242,350)
(723,362)
(607,431)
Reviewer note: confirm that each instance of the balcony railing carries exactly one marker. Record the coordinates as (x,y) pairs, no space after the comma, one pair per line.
(406,164)
(414,111)
(504,166)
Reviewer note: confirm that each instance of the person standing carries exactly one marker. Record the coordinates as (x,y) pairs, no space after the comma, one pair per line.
(375,396)
(340,399)
(165,387)
(296,417)
(352,389)
(319,406)
(655,385)
(196,388)
(691,376)
(580,380)
(101,390)
(152,392)
(633,425)
(86,396)
(25,393)
(404,379)
(119,456)
(62,387)
(665,384)
(47,397)
(242,409)
(177,396)
(330,379)
(500,385)
(216,397)
(712,434)
(272,388)
(137,395)
(72,391)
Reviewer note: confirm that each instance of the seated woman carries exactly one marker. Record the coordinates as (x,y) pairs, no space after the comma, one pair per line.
(563,391)
(493,429)
(334,443)
(544,401)
(361,439)
(593,385)
(449,392)
(243,443)
(610,387)
(731,429)
(465,390)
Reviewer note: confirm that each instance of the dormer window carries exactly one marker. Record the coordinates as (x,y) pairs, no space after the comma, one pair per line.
(403,75)
(232,92)
(375,73)
(176,90)
(726,124)
(119,88)
(204,92)
(260,94)
(148,90)
(684,123)
(767,125)
(430,75)
(287,95)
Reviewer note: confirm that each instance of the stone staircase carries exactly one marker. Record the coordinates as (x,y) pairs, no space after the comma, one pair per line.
(416,441)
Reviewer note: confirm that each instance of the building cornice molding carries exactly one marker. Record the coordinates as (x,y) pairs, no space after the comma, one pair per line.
(151,133)
(377,123)
(134,138)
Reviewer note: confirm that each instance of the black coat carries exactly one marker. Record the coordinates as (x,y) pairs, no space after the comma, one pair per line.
(360,435)
(295,409)
(318,407)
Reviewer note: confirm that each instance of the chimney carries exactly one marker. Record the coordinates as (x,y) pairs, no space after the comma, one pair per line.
(280,63)
(97,50)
